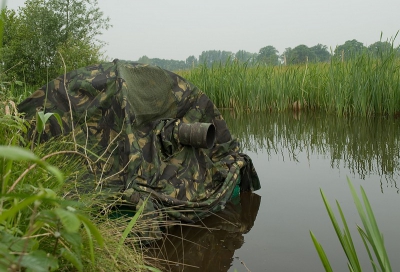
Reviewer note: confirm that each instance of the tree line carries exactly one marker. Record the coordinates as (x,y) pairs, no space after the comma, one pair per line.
(269,55)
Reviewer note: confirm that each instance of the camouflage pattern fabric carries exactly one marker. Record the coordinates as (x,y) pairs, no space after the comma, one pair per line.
(127,116)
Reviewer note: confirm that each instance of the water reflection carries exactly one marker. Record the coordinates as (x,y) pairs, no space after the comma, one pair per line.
(295,155)
(209,245)
(363,145)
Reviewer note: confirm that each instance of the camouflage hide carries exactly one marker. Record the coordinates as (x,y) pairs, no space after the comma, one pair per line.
(127,115)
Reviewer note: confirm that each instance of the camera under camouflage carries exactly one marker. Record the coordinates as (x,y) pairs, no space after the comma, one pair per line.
(128,116)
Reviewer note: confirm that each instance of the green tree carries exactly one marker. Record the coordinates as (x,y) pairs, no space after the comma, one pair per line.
(144,59)
(215,56)
(244,56)
(299,54)
(171,65)
(320,52)
(285,57)
(10,21)
(80,19)
(268,55)
(40,30)
(76,54)
(380,48)
(191,62)
(349,49)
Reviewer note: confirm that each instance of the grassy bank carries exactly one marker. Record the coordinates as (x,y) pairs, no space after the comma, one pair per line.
(46,224)
(366,86)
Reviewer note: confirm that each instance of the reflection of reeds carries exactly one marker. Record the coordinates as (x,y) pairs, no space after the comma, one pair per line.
(363,145)
(364,86)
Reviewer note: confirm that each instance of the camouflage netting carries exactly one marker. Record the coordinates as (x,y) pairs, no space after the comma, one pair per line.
(128,115)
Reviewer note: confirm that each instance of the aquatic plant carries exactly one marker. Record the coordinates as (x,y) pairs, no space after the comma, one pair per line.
(370,235)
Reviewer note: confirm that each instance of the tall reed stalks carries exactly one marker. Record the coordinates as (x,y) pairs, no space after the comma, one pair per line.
(366,85)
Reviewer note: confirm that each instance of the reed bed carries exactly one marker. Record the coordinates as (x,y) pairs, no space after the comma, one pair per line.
(366,85)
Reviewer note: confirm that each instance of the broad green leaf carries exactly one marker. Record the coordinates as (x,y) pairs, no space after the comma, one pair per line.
(21,154)
(6,258)
(42,119)
(39,261)
(17,153)
(69,220)
(73,238)
(59,121)
(47,216)
(17,244)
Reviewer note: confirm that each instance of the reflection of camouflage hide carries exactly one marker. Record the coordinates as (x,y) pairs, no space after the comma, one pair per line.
(212,244)
(128,114)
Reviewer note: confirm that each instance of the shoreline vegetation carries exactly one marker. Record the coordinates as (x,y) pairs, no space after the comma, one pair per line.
(46,224)
(365,85)
(41,228)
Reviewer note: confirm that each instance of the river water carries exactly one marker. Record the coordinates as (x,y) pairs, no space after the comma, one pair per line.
(296,155)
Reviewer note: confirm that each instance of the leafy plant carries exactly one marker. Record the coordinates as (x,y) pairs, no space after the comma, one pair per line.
(370,235)
(35,32)
(53,222)
(58,227)
(41,120)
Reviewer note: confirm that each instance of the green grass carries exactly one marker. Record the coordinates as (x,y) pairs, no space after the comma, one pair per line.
(366,85)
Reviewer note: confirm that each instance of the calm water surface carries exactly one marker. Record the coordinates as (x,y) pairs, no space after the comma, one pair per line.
(295,156)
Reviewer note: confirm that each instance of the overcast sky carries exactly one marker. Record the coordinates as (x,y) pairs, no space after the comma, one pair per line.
(176,29)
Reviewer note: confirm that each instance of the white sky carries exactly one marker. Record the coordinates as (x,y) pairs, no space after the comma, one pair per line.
(176,29)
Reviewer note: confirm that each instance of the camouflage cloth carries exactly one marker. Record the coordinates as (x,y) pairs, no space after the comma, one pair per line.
(128,115)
